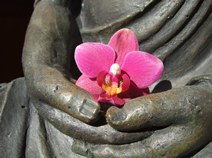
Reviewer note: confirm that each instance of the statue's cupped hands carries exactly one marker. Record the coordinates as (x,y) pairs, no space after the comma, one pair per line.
(51,38)
(180,119)
(170,123)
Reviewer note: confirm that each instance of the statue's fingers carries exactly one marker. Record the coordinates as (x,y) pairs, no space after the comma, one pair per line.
(117,151)
(161,109)
(173,141)
(50,86)
(79,104)
(102,134)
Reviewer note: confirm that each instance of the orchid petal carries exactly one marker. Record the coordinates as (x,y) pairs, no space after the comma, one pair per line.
(89,85)
(101,77)
(115,100)
(118,101)
(133,92)
(92,58)
(123,42)
(143,68)
(126,82)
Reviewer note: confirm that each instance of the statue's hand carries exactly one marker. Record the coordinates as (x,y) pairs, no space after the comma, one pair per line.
(181,119)
(51,38)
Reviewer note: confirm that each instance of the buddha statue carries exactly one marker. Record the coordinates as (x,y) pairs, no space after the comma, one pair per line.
(44,114)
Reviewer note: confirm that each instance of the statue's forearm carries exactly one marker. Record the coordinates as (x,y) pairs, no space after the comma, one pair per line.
(51,38)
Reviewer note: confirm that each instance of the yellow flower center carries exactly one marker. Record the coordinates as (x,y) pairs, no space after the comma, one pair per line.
(112,83)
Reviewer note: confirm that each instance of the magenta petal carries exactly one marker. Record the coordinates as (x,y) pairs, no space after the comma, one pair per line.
(123,42)
(145,91)
(89,85)
(126,82)
(115,100)
(118,101)
(92,58)
(101,77)
(103,98)
(133,92)
(143,68)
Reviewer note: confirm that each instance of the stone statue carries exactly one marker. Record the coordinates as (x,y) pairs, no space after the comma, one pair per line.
(45,114)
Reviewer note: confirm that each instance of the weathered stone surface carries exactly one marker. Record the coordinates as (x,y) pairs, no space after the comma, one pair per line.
(42,113)
(13,118)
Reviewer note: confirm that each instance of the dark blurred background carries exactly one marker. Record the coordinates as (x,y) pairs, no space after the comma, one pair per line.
(14,18)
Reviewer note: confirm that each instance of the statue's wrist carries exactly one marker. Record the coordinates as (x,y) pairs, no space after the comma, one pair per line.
(73,6)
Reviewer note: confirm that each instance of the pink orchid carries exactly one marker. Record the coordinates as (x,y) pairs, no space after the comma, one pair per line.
(116,72)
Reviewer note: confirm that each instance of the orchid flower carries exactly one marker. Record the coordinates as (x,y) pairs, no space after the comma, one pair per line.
(116,72)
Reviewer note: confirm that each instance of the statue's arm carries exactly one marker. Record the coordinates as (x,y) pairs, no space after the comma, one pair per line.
(51,38)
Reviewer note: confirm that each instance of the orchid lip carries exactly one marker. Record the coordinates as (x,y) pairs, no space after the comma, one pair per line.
(113,85)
